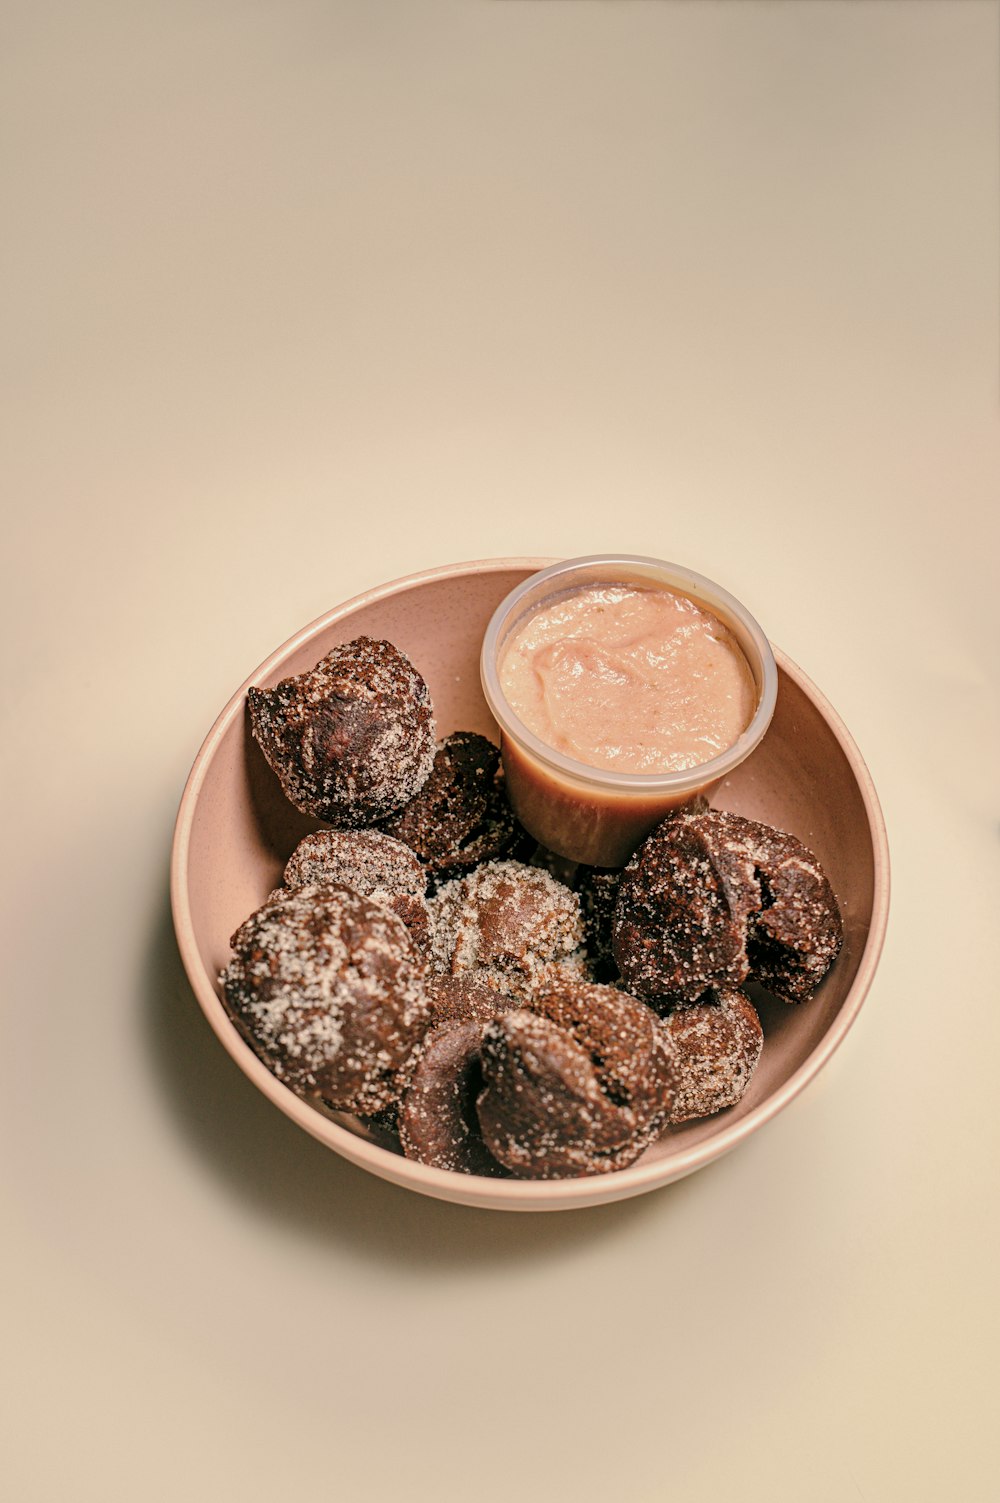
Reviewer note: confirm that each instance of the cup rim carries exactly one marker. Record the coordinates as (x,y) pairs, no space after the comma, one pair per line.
(680,580)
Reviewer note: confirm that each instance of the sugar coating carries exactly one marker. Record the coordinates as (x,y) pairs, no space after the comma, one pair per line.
(508,919)
(580,1083)
(795,938)
(328,987)
(466,998)
(715,1045)
(520,987)
(621,1034)
(710,898)
(460,817)
(370,863)
(351,740)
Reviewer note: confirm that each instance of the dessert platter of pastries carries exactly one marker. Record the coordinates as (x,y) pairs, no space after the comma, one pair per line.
(485,1005)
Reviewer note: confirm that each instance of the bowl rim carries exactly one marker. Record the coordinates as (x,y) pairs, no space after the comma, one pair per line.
(507,1194)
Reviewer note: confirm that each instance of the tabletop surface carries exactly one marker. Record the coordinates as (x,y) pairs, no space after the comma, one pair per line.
(303,297)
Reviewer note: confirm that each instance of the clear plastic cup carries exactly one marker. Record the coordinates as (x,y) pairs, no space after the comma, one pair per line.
(594,814)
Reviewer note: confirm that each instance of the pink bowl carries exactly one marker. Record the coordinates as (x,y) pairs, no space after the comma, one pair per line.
(235,831)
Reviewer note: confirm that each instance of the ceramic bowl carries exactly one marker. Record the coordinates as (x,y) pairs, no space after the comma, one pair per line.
(235,831)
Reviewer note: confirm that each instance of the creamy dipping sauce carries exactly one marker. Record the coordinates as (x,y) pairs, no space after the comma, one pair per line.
(634,679)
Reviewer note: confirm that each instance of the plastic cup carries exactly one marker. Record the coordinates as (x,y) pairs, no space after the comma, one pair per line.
(594,814)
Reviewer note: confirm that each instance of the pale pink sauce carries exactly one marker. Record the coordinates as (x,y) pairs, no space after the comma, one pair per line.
(639,680)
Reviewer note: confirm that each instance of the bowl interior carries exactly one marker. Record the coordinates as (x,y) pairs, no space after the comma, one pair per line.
(236,830)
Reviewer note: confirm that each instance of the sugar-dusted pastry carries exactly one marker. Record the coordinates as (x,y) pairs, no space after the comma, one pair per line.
(465,998)
(370,863)
(795,937)
(508,921)
(579,1084)
(710,898)
(460,817)
(437,1118)
(715,1044)
(351,740)
(328,987)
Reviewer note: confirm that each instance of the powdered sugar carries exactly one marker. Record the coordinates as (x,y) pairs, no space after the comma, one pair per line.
(329,989)
(714,1045)
(505,918)
(712,897)
(352,740)
(370,863)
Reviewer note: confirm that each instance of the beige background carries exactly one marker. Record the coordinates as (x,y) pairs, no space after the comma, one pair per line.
(302,296)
